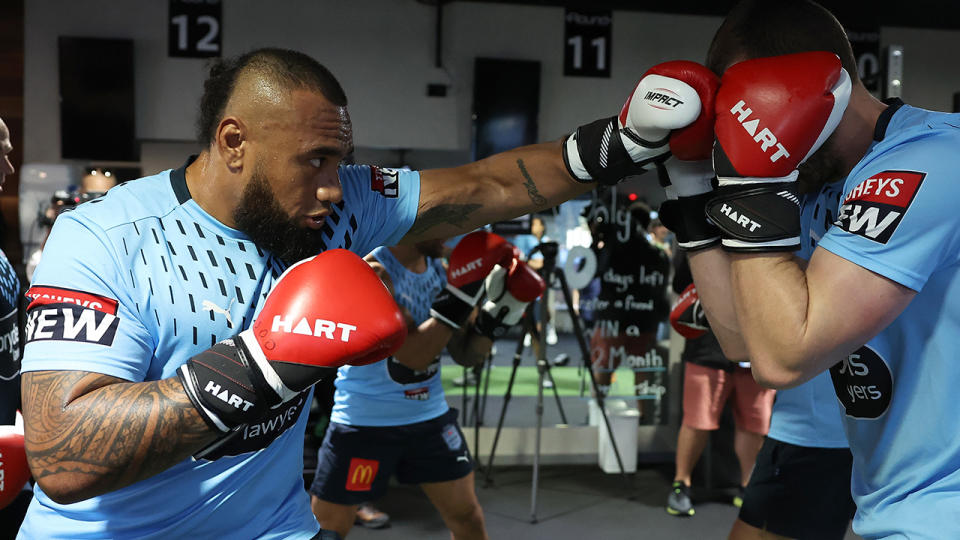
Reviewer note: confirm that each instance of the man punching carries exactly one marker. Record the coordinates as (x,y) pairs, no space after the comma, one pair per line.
(164,389)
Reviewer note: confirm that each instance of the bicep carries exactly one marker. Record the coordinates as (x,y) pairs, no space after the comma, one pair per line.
(848,305)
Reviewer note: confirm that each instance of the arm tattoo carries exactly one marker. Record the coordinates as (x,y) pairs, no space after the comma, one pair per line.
(452,214)
(104,433)
(532,190)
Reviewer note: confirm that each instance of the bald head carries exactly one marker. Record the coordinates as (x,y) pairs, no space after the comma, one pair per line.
(6,167)
(258,81)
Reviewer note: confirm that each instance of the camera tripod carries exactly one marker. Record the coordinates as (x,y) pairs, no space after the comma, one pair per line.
(550,272)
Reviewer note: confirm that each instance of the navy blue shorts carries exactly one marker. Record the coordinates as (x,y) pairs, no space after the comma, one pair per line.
(799,491)
(355,463)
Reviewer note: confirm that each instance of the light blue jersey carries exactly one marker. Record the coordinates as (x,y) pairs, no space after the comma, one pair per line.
(900,219)
(388,393)
(808,415)
(135,283)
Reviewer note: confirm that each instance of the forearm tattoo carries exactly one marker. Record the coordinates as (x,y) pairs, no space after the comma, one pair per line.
(528,183)
(448,214)
(116,432)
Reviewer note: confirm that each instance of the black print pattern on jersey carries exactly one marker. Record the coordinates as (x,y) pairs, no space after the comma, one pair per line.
(181,268)
(9,332)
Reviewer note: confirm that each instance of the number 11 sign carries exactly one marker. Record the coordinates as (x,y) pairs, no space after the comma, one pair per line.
(586,38)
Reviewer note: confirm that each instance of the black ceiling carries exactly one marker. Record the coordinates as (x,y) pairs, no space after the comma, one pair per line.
(943,14)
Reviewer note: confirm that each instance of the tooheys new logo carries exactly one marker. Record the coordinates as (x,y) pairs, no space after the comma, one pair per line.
(876,206)
(58,314)
(385,182)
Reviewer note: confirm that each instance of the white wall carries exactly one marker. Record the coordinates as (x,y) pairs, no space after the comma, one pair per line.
(382,52)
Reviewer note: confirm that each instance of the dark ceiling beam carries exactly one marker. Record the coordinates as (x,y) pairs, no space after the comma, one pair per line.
(938,14)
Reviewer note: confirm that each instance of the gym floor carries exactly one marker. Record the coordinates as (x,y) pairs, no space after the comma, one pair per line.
(573,501)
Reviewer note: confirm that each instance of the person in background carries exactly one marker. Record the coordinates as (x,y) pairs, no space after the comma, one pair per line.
(392,417)
(709,382)
(15,492)
(527,243)
(94,183)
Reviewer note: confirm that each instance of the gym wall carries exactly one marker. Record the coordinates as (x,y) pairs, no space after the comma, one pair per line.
(383,53)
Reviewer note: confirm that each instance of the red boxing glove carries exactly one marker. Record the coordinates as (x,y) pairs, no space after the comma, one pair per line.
(471,261)
(509,291)
(14,471)
(324,312)
(772,114)
(667,110)
(687,316)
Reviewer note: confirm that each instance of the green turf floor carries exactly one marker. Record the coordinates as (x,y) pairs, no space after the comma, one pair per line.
(567,380)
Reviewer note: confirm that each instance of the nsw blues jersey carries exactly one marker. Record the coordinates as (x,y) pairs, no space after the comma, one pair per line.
(899,219)
(808,415)
(388,393)
(9,342)
(135,283)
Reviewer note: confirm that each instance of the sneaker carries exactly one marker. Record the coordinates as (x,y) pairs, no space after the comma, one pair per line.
(551,335)
(738,498)
(547,382)
(678,503)
(371,517)
(469,380)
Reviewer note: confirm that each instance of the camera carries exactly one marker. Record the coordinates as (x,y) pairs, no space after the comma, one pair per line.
(63,200)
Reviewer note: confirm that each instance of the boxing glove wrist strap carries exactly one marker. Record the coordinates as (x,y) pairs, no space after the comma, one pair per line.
(218,383)
(757,217)
(453,306)
(687,218)
(595,152)
(490,326)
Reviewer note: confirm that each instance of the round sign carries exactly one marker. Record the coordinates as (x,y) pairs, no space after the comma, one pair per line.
(580,267)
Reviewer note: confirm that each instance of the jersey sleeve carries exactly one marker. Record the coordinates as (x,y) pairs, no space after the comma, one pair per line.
(80,315)
(898,221)
(384,202)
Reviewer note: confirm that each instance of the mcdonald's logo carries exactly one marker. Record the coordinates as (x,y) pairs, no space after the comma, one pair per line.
(361,474)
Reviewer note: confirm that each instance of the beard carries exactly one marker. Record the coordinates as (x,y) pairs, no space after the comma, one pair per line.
(261,217)
(822,168)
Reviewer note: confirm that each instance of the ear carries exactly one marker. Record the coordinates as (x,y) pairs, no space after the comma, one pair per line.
(230,142)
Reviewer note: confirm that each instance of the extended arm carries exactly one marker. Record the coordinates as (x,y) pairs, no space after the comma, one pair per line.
(454,201)
(87,434)
(457,200)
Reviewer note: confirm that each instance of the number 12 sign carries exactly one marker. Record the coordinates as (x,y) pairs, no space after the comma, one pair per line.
(194,28)
(586,38)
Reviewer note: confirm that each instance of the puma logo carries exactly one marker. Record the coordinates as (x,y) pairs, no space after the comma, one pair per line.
(207,305)
(463,458)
